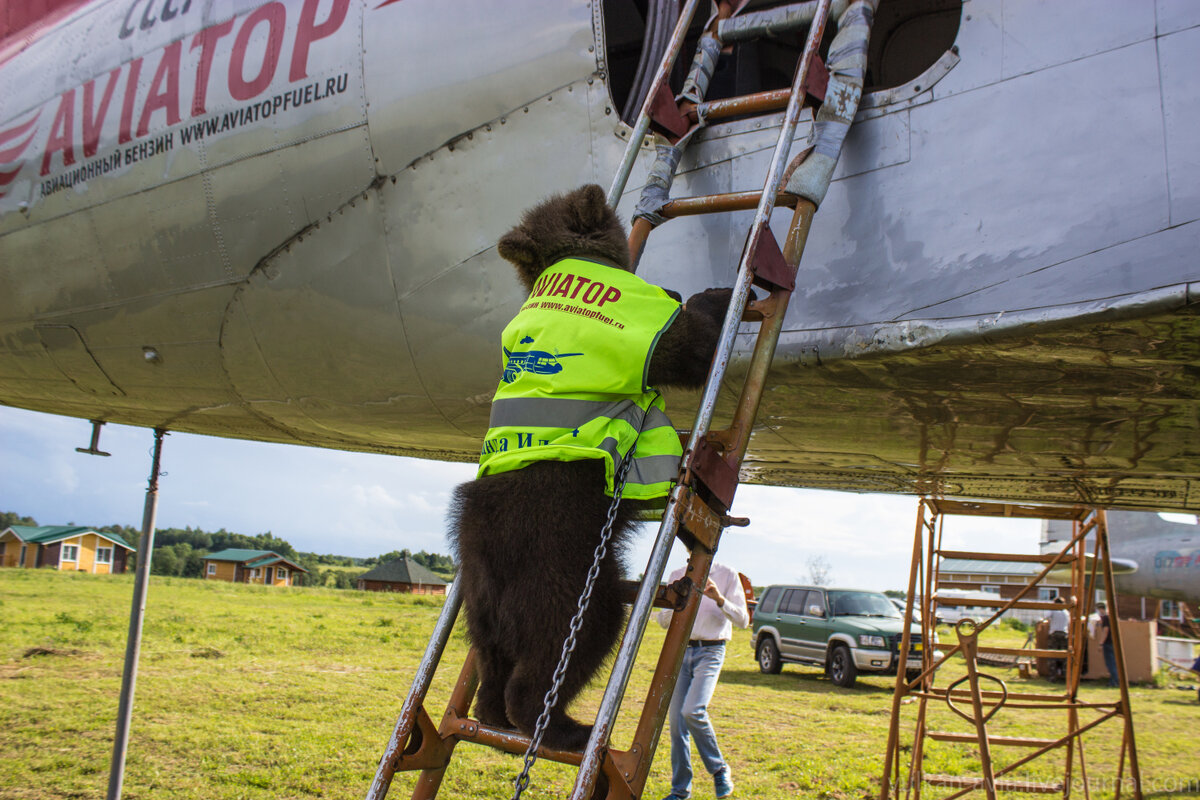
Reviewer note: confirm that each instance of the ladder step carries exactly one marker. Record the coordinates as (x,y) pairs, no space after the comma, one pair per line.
(1005,741)
(981,602)
(718,203)
(1022,652)
(989,694)
(1001,785)
(1019,558)
(746,105)
(515,742)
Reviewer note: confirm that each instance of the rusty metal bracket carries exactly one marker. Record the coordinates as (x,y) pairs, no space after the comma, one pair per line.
(622,767)
(818,78)
(676,594)
(708,464)
(700,521)
(771,269)
(426,749)
(664,113)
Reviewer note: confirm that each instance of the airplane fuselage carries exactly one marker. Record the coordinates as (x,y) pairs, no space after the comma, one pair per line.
(277,221)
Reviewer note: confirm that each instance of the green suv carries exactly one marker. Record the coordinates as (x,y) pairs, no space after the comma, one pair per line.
(846,631)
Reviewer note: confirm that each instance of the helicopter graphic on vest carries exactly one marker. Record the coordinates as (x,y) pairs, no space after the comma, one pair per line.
(539,362)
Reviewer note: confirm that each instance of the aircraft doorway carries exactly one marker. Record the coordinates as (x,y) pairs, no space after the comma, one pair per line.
(908,37)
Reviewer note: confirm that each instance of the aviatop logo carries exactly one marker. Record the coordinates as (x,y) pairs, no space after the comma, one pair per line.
(539,362)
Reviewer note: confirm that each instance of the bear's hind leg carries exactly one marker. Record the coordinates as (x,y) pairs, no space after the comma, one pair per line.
(525,696)
(494,673)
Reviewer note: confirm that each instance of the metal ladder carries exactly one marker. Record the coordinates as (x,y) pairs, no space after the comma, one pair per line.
(697,509)
(980,707)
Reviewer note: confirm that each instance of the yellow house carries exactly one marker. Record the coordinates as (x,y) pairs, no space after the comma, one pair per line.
(253,566)
(65,547)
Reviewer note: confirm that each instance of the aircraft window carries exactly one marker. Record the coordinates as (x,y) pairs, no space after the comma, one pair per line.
(908,37)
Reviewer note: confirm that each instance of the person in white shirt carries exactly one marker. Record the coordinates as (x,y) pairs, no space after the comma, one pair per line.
(722,606)
(1059,619)
(1057,639)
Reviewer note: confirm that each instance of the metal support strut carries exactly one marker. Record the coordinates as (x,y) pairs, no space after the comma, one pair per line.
(137,612)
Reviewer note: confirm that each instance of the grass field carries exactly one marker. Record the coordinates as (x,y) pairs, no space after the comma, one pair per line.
(248,692)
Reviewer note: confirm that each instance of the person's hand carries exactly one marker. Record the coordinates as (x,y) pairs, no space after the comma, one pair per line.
(713,593)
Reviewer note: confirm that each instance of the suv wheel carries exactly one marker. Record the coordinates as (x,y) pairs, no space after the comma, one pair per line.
(769,662)
(841,666)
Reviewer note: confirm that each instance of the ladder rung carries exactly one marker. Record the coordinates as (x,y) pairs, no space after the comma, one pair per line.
(990,694)
(1012,557)
(717,203)
(1007,741)
(760,103)
(515,742)
(1019,652)
(1000,785)
(982,602)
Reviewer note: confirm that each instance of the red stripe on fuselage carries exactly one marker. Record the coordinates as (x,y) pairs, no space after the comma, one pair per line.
(23,22)
(13,133)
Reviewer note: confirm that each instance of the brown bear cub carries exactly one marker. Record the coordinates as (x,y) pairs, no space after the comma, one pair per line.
(524,538)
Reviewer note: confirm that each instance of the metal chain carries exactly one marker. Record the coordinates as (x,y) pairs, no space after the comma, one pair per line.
(551,700)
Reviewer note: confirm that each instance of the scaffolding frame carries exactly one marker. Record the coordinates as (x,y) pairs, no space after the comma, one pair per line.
(985,704)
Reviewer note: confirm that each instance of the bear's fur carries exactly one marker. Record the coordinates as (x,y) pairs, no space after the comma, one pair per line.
(525,539)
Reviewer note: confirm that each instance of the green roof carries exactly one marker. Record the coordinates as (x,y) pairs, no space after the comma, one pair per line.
(402,570)
(252,558)
(49,534)
(235,554)
(273,558)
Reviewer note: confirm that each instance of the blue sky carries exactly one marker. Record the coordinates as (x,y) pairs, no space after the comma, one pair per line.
(362,504)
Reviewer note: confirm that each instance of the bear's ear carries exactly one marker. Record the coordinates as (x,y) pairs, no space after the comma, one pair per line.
(520,250)
(590,206)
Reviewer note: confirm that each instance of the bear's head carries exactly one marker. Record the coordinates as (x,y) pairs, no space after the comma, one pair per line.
(577,224)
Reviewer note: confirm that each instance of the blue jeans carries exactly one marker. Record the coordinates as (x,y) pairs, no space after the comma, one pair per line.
(689,716)
(1110,661)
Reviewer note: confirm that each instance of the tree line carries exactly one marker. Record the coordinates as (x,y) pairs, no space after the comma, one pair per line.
(181,551)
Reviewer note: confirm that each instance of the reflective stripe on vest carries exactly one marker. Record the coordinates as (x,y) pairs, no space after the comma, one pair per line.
(576,360)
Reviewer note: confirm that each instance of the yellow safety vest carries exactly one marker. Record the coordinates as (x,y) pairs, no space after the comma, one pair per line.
(576,366)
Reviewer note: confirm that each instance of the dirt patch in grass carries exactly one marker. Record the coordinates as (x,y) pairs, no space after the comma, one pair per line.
(207,652)
(34,652)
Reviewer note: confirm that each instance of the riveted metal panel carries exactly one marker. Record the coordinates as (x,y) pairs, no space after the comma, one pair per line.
(455,292)
(424,79)
(1076,31)
(1032,202)
(980,43)
(1179,60)
(157,242)
(1176,15)
(46,273)
(321,355)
